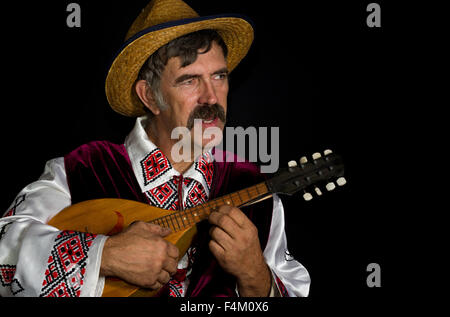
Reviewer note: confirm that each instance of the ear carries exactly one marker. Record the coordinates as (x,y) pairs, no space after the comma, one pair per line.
(146,95)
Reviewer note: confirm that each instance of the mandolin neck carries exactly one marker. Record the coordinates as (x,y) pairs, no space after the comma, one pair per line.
(185,219)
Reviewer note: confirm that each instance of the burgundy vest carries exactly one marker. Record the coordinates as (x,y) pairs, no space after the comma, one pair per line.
(102,169)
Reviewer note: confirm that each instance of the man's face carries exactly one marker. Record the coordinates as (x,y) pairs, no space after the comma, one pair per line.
(195,91)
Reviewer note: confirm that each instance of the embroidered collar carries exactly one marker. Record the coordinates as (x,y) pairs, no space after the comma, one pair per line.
(151,166)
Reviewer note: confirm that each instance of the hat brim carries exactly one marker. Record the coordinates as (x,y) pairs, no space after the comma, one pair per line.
(236,31)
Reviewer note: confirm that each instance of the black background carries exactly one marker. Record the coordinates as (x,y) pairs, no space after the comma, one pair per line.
(316,70)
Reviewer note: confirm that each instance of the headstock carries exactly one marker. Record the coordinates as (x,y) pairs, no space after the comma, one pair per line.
(309,175)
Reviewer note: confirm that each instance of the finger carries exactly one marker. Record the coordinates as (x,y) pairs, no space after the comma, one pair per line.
(216,249)
(225,222)
(237,215)
(172,251)
(223,209)
(163,277)
(222,238)
(141,226)
(161,231)
(155,286)
(170,266)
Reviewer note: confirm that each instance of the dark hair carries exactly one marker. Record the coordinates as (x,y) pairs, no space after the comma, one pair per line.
(186,48)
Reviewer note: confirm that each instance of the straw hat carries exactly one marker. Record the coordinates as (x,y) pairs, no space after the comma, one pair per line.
(160,22)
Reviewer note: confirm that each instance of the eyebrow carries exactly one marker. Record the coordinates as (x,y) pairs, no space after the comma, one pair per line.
(223,70)
(184,77)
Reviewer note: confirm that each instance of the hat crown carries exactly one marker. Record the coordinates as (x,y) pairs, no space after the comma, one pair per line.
(158,12)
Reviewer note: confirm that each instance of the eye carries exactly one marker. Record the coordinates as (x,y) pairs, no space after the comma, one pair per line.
(189,82)
(220,76)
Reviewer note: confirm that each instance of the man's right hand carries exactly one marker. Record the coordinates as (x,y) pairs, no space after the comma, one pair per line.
(139,255)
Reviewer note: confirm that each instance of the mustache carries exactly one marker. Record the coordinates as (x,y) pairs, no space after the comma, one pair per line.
(206,112)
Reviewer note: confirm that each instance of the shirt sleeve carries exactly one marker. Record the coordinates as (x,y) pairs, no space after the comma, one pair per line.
(39,260)
(290,276)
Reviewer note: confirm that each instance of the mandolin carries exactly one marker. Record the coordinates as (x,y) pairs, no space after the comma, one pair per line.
(110,216)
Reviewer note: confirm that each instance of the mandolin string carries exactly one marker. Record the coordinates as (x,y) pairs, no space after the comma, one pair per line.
(188,215)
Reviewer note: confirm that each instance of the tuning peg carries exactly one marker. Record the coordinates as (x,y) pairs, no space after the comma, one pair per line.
(327,152)
(303,160)
(316,156)
(318,191)
(292,164)
(307,196)
(330,186)
(341,181)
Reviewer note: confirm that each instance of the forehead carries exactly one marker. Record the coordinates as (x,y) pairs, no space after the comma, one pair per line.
(206,63)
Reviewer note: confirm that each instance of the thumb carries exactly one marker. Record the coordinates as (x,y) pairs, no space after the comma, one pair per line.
(161,231)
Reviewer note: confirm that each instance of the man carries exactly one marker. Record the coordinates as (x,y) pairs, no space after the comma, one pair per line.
(172,72)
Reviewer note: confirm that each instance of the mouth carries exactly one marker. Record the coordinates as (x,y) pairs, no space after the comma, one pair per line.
(209,115)
(210,122)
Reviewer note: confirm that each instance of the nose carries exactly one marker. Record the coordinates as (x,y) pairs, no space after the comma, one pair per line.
(207,93)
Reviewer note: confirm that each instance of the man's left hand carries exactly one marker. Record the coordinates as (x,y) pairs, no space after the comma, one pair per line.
(235,244)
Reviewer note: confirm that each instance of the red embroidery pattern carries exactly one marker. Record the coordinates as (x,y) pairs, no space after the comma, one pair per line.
(66,265)
(205,166)
(175,288)
(154,165)
(7,279)
(7,274)
(162,194)
(196,195)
